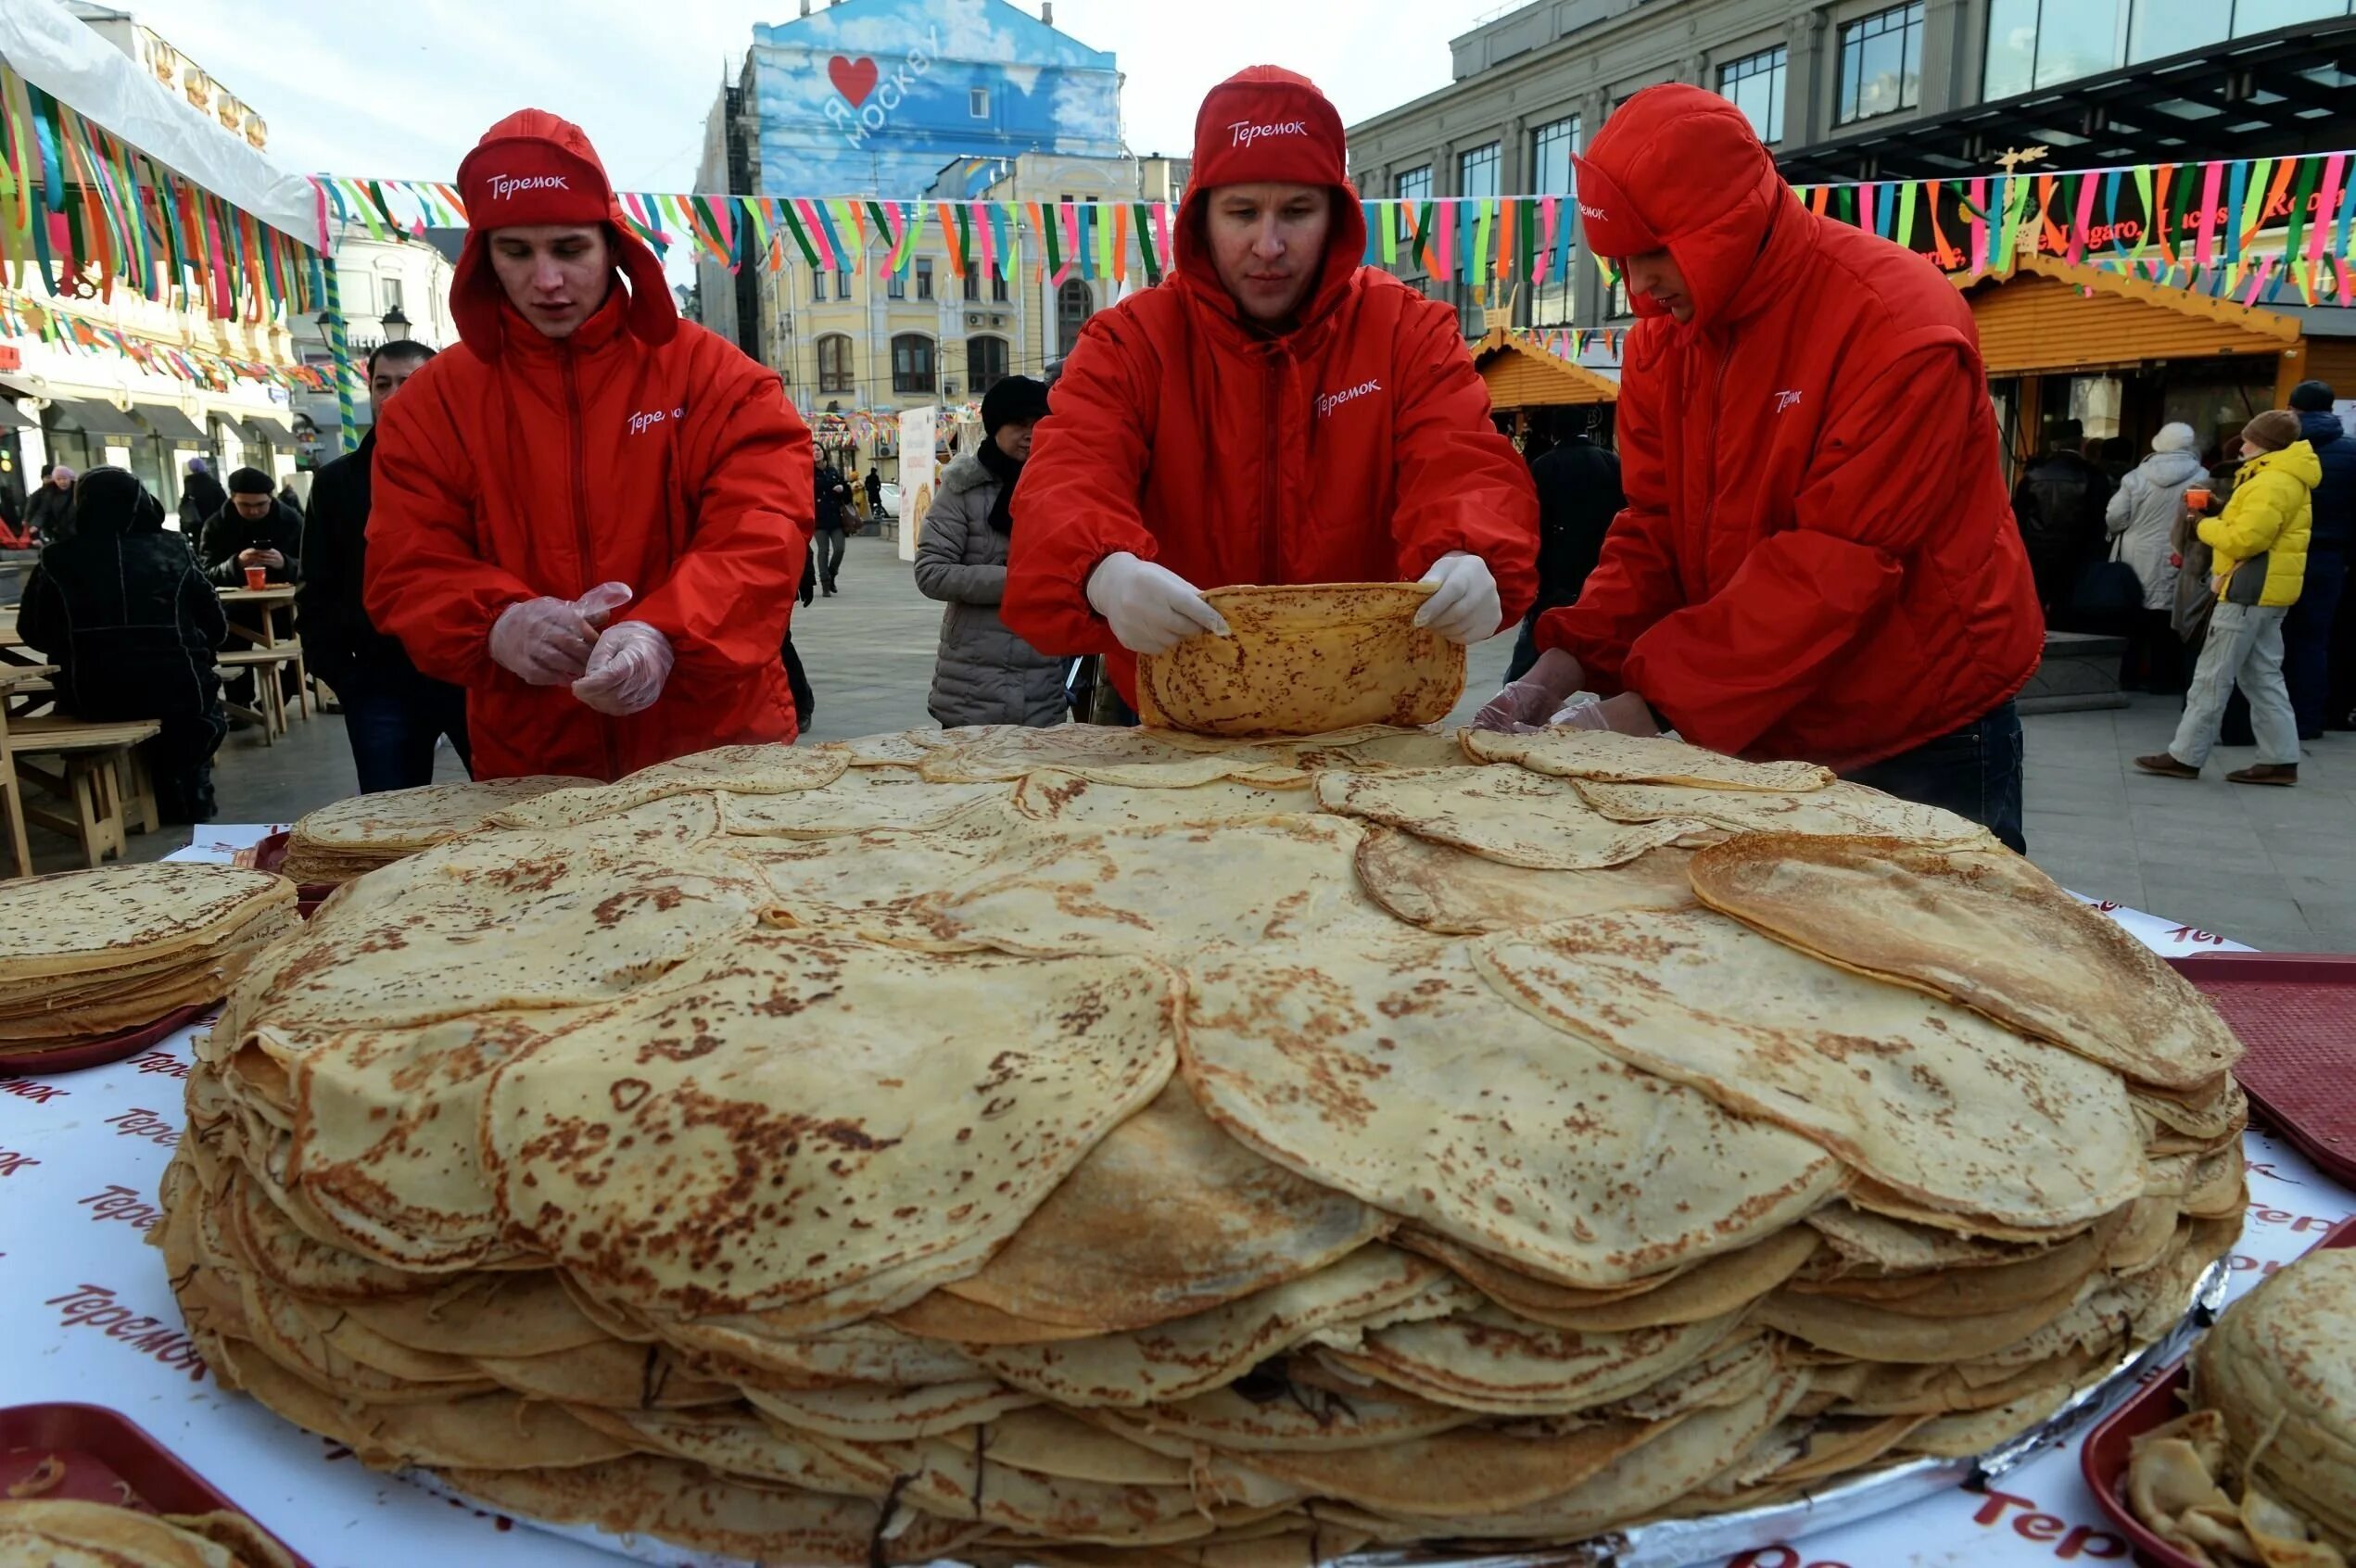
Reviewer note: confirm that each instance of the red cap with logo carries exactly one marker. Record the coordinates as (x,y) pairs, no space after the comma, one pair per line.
(535,167)
(1269,125)
(1613,228)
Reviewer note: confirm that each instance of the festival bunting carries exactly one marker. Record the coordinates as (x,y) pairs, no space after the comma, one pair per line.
(2221,226)
(25,315)
(78,206)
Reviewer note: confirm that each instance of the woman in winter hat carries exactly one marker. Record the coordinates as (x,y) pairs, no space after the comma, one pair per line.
(985,673)
(2142,515)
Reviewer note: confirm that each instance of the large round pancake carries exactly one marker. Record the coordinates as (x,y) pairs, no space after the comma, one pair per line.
(392,823)
(1487,1358)
(1067,800)
(1955,924)
(1307,659)
(1103,753)
(72,922)
(1393,1073)
(1839,808)
(1167,1217)
(860,800)
(2280,1366)
(1927,1097)
(1451,892)
(866,1108)
(1630,759)
(736,770)
(1501,814)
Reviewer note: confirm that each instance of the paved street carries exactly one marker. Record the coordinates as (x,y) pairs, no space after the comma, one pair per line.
(2273,867)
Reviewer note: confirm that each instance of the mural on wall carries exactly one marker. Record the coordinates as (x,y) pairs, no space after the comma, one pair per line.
(876,96)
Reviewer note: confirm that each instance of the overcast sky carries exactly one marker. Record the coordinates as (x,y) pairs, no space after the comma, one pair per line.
(401,88)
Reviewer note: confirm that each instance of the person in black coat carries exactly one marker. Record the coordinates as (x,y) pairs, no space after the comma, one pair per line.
(2308,630)
(2060,505)
(393,716)
(254,529)
(119,607)
(834,496)
(1578,493)
(46,513)
(200,497)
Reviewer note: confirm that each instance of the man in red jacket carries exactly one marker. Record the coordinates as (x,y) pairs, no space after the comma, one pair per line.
(590,513)
(1276,412)
(1817,559)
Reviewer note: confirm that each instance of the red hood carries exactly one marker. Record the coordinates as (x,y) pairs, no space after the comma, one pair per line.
(1679,166)
(1267,124)
(535,167)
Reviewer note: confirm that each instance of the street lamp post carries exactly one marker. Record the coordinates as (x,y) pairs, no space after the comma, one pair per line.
(396,324)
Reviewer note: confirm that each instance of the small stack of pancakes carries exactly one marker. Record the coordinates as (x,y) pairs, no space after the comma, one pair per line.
(55,1534)
(1034,1145)
(354,837)
(84,955)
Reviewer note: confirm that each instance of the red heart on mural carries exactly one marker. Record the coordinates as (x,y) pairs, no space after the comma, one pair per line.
(853,79)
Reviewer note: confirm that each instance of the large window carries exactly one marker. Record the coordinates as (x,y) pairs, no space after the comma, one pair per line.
(1754,85)
(973,281)
(924,277)
(998,285)
(986,363)
(818,285)
(1881,64)
(1552,144)
(1414,185)
(2036,44)
(834,364)
(912,362)
(896,287)
(1074,305)
(1477,171)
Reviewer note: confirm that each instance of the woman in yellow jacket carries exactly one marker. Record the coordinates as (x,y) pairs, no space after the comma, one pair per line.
(2260,546)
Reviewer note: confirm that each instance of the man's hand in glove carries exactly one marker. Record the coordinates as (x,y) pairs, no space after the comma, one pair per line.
(626,672)
(1625,715)
(1150,608)
(547,642)
(1529,704)
(1464,607)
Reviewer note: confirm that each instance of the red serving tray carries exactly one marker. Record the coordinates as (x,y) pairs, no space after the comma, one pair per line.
(105,1048)
(2296,1015)
(271,853)
(109,1459)
(2103,1461)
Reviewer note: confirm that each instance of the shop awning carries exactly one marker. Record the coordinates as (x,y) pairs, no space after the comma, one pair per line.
(170,423)
(13,418)
(2042,316)
(2270,95)
(272,429)
(94,418)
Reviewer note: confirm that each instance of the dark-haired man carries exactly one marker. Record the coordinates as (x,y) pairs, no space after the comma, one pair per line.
(393,716)
(254,529)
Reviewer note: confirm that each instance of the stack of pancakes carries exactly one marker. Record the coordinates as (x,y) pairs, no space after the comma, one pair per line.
(84,955)
(354,837)
(59,1533)
(1036,1144)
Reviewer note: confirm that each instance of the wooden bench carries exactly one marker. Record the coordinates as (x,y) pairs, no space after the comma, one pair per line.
(103,776)
(269,695)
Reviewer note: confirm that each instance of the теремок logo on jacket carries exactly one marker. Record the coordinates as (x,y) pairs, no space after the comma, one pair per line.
(643,422)
(1328,401)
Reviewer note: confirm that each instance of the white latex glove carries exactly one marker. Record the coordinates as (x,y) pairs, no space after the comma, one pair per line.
(1529,702)
(1151,609)
(547,642)
(1466,608)
(1625,715)
(627,669)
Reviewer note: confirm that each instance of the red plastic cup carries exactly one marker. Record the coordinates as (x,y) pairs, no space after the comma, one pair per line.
(256,576)
(2197,497)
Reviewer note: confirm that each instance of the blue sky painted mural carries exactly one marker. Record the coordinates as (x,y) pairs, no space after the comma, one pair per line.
(872,97)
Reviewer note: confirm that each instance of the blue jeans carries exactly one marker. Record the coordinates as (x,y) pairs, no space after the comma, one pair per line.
(393,728)
(1974,772)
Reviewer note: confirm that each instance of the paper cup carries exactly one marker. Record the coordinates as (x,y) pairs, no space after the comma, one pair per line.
(256,576)
(2196,497)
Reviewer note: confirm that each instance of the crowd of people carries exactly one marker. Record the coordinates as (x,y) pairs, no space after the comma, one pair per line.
(571,543)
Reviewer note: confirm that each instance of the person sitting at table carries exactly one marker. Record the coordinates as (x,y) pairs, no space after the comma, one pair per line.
(119,607)
(254,529)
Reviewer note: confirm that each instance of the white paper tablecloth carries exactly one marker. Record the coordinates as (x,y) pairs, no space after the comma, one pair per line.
(85,1315)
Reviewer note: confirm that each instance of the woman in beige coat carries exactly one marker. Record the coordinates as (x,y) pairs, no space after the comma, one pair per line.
(985,673)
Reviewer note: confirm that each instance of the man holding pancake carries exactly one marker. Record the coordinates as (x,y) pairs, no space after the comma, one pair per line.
(590,513)
(1275,413)
(1817,560)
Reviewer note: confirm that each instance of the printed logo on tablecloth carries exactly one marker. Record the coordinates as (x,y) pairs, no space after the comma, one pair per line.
(139,1122)
(32,1089)
(160,1061)
(12,1162)
(95,1307)
(118,1202)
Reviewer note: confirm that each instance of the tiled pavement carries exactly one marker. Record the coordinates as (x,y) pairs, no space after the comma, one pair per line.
(2273,867)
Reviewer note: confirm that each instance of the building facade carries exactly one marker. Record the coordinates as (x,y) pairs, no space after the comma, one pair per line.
(1848,90)
(395,287)
(878,97)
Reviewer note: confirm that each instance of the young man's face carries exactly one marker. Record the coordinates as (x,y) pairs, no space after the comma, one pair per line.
(1655,275)
(253,509)
(386,377)
(1268,243)
(555,274)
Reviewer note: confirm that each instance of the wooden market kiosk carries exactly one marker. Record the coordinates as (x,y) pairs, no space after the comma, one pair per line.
(2124,356)
(1526,379)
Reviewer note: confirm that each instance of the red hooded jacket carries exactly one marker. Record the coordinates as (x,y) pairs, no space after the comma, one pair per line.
(1355,447)
(640,450)
(1817,559)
